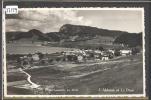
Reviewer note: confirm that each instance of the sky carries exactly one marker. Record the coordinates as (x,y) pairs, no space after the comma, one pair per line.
(50,20)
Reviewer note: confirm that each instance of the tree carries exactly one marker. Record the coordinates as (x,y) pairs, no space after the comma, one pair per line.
(101,48)
(40,55)
(135,51)
(117,53)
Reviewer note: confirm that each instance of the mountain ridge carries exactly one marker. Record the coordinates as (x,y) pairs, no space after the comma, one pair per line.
(70,32)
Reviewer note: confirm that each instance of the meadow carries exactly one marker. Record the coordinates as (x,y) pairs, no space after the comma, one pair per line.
(31,49)
(124,73)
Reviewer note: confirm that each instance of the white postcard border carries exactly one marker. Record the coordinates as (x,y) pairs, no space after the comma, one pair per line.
(49,96)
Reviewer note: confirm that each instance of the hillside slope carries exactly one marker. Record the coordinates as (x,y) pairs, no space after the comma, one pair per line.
(32,35)
(130,39)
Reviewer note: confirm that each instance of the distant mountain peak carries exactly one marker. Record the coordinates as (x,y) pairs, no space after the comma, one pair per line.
(35,31)
(69,29)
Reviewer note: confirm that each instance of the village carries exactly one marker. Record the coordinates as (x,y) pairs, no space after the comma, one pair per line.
(70,56)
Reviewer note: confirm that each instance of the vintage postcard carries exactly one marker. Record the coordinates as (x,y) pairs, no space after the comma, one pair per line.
(74,52)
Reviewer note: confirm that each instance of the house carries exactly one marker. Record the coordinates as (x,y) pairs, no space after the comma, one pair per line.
(97,53)
(125,52)
(80,58)
(105,57)
(74,55)
(35,57)
(89,53)
(111,51)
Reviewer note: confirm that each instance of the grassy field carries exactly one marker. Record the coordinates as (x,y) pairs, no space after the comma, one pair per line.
(22,49)
(118,76)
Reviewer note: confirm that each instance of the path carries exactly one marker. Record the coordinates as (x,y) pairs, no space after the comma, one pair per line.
(33,85)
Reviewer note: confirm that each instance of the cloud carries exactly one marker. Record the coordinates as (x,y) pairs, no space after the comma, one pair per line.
(47,20)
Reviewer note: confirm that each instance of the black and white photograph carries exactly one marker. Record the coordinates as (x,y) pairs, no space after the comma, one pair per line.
(74,52)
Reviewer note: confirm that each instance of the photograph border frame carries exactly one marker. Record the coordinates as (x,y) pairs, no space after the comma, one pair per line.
(146,43)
